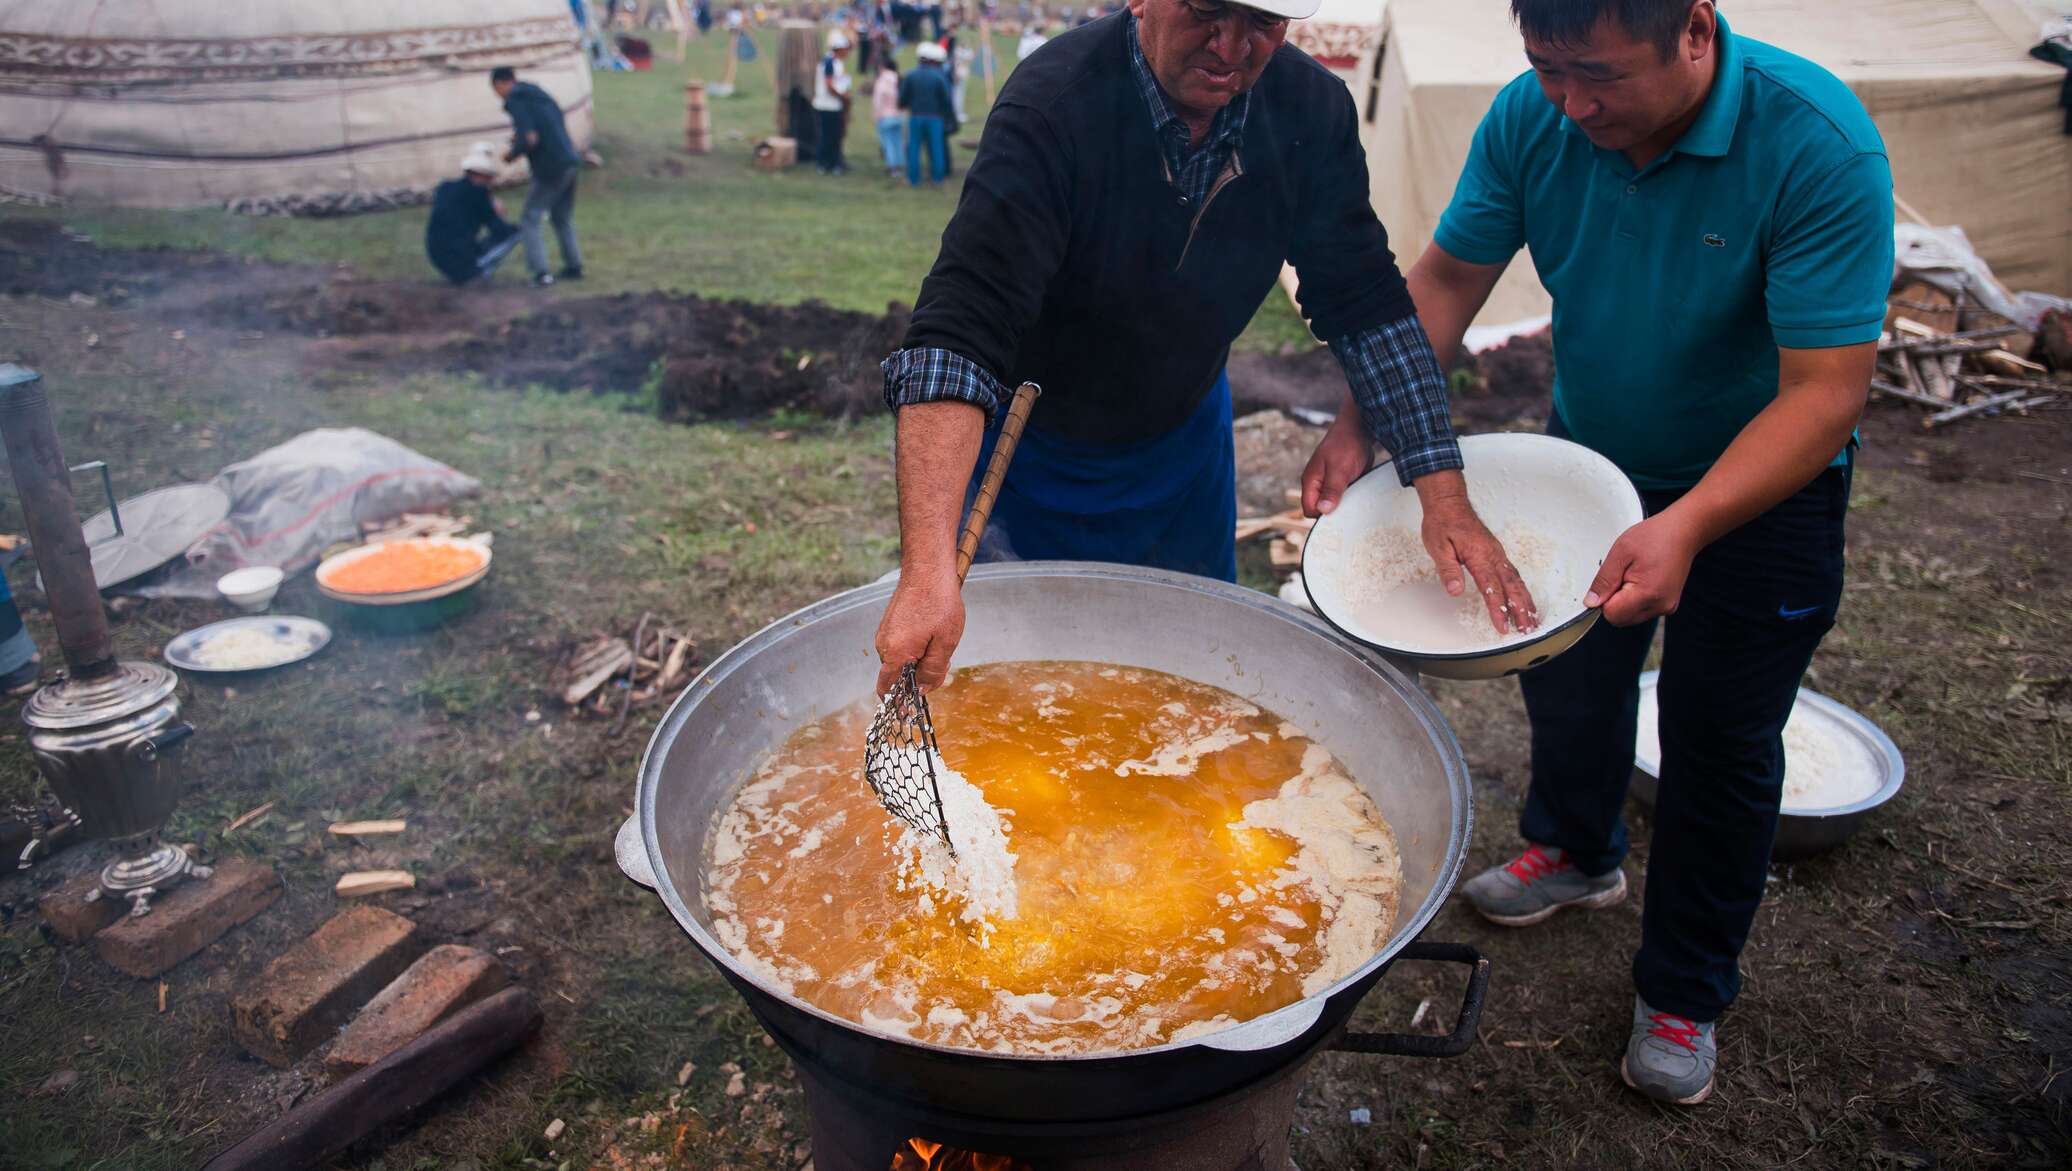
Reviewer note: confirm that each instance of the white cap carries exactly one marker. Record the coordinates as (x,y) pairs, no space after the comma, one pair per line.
(930,51)
(1292,9)
(482,159)
(837,40)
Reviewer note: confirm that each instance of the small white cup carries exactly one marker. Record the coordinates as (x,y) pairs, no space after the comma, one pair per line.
(252,588)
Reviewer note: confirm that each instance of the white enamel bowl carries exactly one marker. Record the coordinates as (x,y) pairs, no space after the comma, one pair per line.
(252,588)
(1572,498)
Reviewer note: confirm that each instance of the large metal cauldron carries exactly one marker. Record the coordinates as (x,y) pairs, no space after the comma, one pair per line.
(820,659)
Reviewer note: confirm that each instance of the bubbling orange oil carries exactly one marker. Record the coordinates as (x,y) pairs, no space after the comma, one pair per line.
(1147,909)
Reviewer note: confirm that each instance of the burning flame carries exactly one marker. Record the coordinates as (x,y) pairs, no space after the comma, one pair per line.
(922,1155)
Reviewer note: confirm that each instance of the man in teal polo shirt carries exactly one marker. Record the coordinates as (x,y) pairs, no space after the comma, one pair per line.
(1713,217)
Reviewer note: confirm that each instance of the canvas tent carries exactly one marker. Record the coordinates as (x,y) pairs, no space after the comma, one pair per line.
(276,106)
(1971,122)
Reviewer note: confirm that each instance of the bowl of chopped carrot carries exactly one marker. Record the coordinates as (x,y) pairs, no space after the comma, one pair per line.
(401,573)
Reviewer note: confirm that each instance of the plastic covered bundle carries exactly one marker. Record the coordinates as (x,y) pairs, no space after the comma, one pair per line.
(291,502)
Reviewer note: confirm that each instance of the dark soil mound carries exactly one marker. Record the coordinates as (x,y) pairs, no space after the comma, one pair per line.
(1310,378)
(40,259)
(1521,367)
(1513,382)
(706,359)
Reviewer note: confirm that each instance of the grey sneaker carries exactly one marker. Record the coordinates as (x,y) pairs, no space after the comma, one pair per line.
(1669,1058)
(1538,883)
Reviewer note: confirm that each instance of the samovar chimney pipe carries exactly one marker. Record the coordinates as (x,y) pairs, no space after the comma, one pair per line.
(42,481)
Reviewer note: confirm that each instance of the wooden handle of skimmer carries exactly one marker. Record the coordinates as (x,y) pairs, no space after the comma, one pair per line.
(996,471)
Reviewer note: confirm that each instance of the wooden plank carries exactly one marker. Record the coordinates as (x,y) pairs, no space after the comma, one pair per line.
(619,658)
(1996,402)
(1889,343)
(363,828)
(248,817)
(2011,365)
(390,1089)
(1928,372)
(1999,382)
(1880,386)
(361,883)
(1925,304)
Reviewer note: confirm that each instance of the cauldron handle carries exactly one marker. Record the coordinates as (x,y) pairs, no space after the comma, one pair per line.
(630,849)
(1452,1044)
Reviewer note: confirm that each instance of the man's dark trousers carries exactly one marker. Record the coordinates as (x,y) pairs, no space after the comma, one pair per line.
(1757,603)
(828,150)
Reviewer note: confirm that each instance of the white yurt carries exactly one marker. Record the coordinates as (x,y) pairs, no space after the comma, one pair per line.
(266,107)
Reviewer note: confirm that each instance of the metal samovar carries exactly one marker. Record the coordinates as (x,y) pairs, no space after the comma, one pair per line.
(105,733)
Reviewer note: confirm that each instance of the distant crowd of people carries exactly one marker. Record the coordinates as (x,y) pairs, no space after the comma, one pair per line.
(917,113)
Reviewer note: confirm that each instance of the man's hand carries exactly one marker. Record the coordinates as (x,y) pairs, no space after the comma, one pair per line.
(1643,576)
(937,445)
(1343,455)
(922,625)
(1456,537)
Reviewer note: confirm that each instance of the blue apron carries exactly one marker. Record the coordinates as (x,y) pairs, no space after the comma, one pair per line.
(1169,502)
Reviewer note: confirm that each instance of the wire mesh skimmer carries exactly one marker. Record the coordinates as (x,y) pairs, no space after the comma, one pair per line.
(900,752)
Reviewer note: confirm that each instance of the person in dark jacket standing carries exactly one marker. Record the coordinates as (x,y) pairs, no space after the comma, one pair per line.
(540,135)
(465,237)
(1138,187)
(925,95)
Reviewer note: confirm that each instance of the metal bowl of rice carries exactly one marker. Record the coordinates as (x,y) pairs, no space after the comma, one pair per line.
(1838,767)
(1556,505)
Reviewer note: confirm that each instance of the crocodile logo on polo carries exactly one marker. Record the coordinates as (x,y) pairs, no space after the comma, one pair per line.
(1713,241)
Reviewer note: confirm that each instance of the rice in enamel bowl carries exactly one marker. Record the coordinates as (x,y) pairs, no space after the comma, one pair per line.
(1826,765)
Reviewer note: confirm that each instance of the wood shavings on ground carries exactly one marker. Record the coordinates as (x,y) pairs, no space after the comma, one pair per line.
(608,675)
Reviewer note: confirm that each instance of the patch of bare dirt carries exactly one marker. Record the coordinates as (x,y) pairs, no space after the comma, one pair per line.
(702,359)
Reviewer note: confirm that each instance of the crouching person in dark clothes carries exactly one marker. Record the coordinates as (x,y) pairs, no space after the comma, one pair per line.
(465,237)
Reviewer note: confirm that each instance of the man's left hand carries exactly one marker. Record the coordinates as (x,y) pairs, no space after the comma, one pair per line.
(1455,537)
(1642,578)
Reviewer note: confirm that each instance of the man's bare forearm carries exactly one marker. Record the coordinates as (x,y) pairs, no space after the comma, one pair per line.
(1449,292)
(1790,442)
(937,447)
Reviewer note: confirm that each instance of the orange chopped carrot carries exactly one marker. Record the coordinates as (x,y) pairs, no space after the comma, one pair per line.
(405,565)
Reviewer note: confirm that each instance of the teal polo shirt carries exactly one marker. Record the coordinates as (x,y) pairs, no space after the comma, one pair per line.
(1768,224)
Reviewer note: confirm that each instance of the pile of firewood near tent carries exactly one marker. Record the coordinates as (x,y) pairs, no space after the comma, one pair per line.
(1961,362)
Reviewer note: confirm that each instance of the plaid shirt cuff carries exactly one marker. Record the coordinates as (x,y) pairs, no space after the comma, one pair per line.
(933,376)
(1401,391)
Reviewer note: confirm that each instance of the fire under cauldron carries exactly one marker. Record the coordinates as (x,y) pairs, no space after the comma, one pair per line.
(104,734)
(1218,1102)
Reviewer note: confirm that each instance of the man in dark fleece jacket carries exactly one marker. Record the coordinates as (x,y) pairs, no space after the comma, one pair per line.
(540,135)
(1139,186)
(465,237)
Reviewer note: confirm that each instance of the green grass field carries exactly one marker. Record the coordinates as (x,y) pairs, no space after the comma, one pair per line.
(656,218)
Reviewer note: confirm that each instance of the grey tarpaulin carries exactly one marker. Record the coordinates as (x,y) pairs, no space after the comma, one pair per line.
(289,503)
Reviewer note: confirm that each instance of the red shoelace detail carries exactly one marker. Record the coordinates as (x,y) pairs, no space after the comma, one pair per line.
(1671,1027)
(1534,865)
